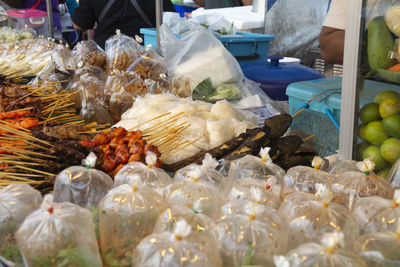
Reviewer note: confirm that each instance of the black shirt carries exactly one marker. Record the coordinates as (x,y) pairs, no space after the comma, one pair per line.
(121,15)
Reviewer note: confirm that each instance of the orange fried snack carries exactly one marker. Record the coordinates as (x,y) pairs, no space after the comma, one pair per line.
(25,123)
(13,114)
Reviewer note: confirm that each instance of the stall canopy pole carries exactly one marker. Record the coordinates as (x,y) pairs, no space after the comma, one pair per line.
(159,18)
(50,16)
(351,83)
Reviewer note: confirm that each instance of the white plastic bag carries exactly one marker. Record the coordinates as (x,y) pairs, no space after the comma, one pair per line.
(199,55)
(216,23)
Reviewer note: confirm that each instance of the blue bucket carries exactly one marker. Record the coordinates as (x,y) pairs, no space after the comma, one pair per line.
(182,9)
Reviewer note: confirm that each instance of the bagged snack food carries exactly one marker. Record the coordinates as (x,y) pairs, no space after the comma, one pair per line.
(340,166)
(251,239)
(304,179)
(139,174)
(254,167)
(168,219)
(88,53)
(269,193)
(293,198)
(309,219)
(351,186)
(83,186)
(180,87)
(63,60)
(182,247)
(380,248)
(204,172)
(121,51)
(149,65)
(17,202)
(377,208)
(119,103)
(203,197)
(329,253)
(127,215)
(60,234)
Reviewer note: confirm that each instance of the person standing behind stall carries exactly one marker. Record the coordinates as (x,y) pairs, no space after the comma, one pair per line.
(208,4)
(127,15)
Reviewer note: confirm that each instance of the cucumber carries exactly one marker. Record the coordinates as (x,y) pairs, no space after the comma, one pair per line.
(388,75)
(380,42)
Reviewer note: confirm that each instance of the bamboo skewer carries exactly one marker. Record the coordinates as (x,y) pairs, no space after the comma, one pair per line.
(34,170)
(308,138)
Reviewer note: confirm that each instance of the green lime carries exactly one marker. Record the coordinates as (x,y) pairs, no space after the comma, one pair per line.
(374,152)
(389,107)
(386,95)
(361,132)
(390,149)
(362,147)
(384,173)
(370,112)
(391,125)
(374,133)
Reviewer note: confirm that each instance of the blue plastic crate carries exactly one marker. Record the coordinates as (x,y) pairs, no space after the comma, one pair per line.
(245,47)
(182,9)
(314,120)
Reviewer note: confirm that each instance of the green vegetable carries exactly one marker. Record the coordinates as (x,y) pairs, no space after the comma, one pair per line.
(11,252)
(380,42)
(388,75)
(205,91)
(248,257)
(69,257)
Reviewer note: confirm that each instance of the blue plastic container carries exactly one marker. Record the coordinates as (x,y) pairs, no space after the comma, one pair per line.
(274,76)
(182,9)
(245,47)
(314,119)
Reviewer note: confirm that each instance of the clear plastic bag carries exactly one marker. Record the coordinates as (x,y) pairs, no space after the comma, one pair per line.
(258,168)
(203,197)
(377,208)
(149,65)
(304,179)
(121,51)
(329,253)
(198,55)
(17,202)
(292,199)
(82,186)
(351,186)
(139,174)
(180,87)
(242,189)
(168,219)
(119,103)
(60,234)
(88,53)
(63,60)
(117,79)
(380,248)
(309,219)
(251,239)
(204,172)
(340,166)
(127,215)
(182,247)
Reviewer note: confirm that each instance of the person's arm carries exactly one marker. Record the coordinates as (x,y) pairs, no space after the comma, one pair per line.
(199,2)
(331,41)
(247,2)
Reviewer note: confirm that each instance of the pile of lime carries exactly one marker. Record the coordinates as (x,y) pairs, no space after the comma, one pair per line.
(380,131)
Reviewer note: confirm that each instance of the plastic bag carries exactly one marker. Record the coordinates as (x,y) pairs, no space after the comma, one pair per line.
(394,175)
(254,167)
(149,65)
(63,60)
(121,51)
(380,248)
(340,166)
(375,209)
(182,247)
(251,239)
(88,53)
(16,202)
(309,219)
(204,172)
(351,186)
(127,215)
(119,103)
(180,87)
(139,174)
(216,23)
(292,199)
(83,186)
(117,79)
(304,179)
(168,219)
(244,189)
(329,253)
(199,56)
(58,234)
(203,197)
